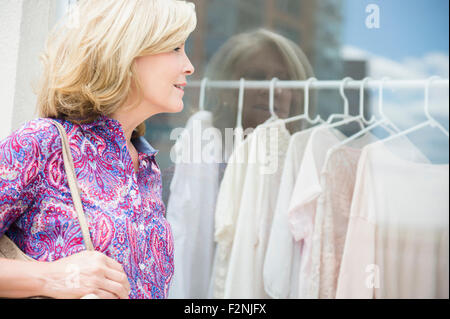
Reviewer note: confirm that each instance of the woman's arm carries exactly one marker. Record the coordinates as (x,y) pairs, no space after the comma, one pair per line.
(88,272)
(22,157)
(21,279)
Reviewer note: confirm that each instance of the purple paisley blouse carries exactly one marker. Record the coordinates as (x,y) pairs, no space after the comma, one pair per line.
(123,207)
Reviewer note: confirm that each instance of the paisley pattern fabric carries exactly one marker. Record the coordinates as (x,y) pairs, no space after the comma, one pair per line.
(123,208)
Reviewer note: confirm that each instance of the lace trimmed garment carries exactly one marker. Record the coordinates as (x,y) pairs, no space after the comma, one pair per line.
(337,179)
(123,207)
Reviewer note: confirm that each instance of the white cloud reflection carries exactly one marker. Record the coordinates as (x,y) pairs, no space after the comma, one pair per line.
(405,107)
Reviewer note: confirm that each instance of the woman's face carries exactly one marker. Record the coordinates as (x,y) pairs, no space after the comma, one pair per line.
(264,65)
(159,74)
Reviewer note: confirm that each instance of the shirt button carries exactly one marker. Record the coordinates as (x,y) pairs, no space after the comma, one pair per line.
(133,192)
(141,227)
(144,164)
(142,266)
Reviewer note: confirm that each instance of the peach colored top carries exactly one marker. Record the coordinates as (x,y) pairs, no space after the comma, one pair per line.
(397,240)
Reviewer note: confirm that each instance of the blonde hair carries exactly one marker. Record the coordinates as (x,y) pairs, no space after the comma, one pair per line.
(89,69)
(222,66)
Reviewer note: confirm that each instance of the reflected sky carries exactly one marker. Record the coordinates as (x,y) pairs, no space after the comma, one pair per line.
(411,43)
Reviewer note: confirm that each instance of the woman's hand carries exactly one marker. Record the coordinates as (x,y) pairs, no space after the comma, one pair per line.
(88,272)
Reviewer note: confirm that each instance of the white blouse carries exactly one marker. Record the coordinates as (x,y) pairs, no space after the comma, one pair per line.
(266,154)
(191,207)
(282,255)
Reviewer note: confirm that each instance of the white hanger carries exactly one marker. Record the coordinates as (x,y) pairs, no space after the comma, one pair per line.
(201,104)
(240,103)
(271,100)
(380,106)
(430,120)
(361,102)
(383,122)
(347,118)
(305,115)
(341,91)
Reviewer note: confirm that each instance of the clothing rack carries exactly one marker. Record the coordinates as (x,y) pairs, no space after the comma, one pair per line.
(237,195)
(322,84)
(346,83)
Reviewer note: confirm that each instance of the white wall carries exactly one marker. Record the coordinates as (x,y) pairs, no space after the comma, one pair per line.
(24,25)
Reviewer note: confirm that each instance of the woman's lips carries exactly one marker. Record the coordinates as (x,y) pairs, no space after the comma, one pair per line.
(178,89)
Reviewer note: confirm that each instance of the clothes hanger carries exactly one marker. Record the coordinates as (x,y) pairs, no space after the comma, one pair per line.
(273,119)
(201,105)
(306,106)
(430,120)
(346,117)
(384,121)
(271,100)
(380,103)
(361,102)
(240,103)
(305,115)
(346,114)
(239,131)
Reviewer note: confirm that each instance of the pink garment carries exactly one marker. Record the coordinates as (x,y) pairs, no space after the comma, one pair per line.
(332,212)
(397,240)
(123,208)
(337,181)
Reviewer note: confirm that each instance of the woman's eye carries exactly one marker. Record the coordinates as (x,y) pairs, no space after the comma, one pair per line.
(177,49)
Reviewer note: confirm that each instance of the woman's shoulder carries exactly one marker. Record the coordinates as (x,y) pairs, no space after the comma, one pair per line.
(36,135)
(38,128)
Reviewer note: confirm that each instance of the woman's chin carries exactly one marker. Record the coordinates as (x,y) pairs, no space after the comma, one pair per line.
(175,108)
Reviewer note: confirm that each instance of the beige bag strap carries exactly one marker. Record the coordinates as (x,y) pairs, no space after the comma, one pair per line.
(71,177)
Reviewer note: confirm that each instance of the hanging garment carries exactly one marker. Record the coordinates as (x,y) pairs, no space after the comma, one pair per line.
(227,210)
(397,240)
(302,207)
(283,253)
(191,206)
(337,180)
(267,153)
(333,209)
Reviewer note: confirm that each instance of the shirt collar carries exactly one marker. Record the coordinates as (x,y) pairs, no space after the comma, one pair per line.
(141,144)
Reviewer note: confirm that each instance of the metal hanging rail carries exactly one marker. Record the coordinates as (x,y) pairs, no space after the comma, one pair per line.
(321,84)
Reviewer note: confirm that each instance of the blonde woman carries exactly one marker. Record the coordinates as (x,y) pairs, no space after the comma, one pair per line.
(123,63)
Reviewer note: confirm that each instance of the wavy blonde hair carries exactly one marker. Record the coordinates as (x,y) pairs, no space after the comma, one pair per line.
(89,69)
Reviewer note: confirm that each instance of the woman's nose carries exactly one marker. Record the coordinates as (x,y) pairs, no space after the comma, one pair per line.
(189,68)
